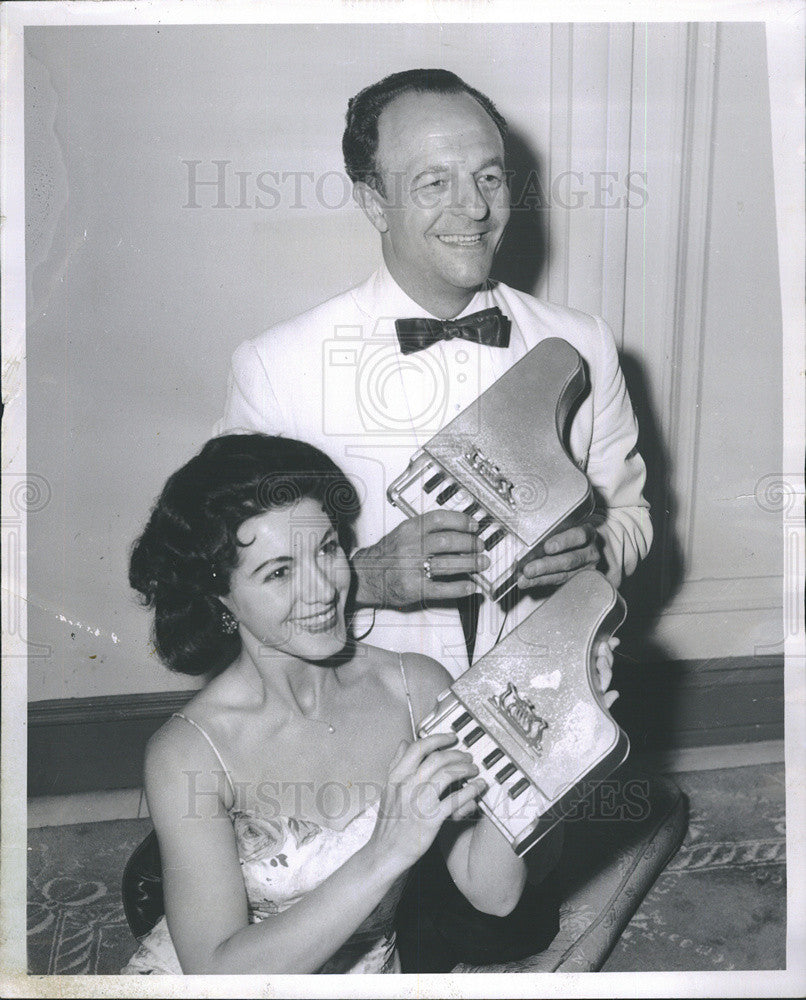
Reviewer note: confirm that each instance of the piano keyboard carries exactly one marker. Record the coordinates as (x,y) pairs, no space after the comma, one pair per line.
(430,487)
(531,715)
(511,801)
(520,488)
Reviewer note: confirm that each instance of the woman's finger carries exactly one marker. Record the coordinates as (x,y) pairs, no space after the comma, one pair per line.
(609,698)
(417,751)
(607,646)
(605,673)
(462,802)
(451,764)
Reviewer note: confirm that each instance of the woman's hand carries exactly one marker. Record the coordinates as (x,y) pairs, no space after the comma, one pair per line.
(604,669)
(412,809)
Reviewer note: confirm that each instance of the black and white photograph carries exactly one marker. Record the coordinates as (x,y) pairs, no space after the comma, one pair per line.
(402,472)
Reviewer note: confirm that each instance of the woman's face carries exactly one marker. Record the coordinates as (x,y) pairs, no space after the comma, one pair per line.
(291,582)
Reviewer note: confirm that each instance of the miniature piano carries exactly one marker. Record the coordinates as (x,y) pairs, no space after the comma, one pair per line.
(502,461)
(531,715)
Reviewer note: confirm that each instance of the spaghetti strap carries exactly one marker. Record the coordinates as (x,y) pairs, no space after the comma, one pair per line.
(179,715)
(408,696)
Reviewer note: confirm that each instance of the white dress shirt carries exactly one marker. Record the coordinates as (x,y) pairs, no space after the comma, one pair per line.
(334,377)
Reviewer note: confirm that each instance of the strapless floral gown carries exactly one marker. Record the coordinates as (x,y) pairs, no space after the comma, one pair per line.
(283,859)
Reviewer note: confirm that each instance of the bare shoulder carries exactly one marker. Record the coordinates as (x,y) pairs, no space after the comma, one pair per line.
(427,679)
(180,762)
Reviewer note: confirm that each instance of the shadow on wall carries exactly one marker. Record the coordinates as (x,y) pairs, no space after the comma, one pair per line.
(649,707)
(524,252)
(660,575)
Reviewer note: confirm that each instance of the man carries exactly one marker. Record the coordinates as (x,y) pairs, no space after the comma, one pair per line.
(426,154)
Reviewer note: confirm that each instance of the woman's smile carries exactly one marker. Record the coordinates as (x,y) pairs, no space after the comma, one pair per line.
(322,621)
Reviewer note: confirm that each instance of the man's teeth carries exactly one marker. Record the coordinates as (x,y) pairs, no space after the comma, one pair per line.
(461,240)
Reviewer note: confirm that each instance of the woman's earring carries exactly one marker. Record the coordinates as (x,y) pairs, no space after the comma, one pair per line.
(229,623)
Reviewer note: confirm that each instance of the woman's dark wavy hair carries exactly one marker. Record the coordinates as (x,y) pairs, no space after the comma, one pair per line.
(181,564)
(360,140)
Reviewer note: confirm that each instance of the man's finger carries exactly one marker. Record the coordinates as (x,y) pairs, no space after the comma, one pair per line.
(571,538)
(448,520)
(550,580)
(437,590)
(453,541)
(563,563)
(453,565)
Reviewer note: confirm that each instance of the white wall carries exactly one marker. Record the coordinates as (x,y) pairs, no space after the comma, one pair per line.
(136,300)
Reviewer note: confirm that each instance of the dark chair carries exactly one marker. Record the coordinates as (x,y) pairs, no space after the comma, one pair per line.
(613,853)
(142,887)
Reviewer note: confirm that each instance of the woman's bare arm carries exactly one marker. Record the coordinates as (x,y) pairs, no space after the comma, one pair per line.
(206,903)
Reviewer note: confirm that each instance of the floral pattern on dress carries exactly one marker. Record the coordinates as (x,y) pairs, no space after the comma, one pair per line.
(282,860)
(258,838)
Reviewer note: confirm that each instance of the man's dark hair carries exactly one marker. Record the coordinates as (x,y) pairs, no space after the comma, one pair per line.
(360,140)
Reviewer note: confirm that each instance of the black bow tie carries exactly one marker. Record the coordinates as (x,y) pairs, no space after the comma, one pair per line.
(489,327)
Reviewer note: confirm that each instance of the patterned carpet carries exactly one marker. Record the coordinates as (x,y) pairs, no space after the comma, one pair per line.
(720,904)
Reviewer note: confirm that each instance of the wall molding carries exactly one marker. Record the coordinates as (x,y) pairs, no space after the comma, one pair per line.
(93,744)
(106,708)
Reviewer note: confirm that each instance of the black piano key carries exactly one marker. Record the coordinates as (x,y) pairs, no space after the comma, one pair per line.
(461,722)
(473,736)
(506,772)
(447,493)
(493,757)
(494,539)
(485,522)
(472,509)
(519,788)
(432,483)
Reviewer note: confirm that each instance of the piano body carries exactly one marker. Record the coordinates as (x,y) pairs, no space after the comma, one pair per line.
(502,461)
(531,715)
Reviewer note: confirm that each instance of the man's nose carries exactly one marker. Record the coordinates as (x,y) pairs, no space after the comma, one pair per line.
(469,199)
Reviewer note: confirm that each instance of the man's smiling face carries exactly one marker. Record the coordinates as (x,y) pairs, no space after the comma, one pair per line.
(445,200)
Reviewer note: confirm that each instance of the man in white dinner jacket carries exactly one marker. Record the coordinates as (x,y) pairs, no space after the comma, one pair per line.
(426,155)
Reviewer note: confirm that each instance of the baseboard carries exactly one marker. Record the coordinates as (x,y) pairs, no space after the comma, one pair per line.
(91,744)
(671,705)
(711,758)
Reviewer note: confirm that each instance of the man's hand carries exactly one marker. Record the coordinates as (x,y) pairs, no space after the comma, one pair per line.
(392,573)
(566,553)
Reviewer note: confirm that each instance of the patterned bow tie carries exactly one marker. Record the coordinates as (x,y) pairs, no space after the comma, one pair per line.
(489,327)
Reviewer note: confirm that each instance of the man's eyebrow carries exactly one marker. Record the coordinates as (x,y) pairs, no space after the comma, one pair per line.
(443,168)
(494,161)
(435,168)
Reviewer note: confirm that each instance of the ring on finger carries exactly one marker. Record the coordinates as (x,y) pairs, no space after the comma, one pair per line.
(427,567)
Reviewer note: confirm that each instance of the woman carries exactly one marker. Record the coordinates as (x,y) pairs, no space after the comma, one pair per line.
(291,796)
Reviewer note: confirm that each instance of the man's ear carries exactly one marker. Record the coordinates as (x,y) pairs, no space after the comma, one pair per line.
(372,205)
